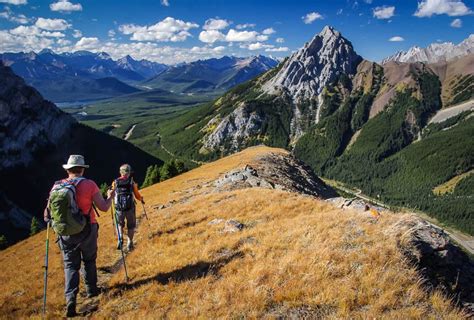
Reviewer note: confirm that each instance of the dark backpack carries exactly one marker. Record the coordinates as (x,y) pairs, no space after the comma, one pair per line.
(124,194)
(67,218)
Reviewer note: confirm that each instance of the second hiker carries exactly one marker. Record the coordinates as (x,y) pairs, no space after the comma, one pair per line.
(125,190)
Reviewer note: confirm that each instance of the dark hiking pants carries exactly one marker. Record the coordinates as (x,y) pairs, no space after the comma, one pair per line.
(82,246)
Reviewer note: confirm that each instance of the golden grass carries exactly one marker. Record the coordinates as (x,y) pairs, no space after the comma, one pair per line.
(296,252)
(448,186)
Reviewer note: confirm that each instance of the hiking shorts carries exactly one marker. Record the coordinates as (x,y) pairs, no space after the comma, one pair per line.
(130,216)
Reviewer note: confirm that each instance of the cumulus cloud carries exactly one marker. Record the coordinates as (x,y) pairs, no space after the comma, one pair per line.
(258,46)
(165,3)
(244,36)
(52,24)
(211,36)
(10,16)
(65,6)
(268,31)
(111,33)
(26,31)
(280,40)
(215,24)
(14,2)
(86,43)
(428,8)
(457,23)
(169,29)
(245,26)
(311,17)
(21,42)
(384,12)
(396,39)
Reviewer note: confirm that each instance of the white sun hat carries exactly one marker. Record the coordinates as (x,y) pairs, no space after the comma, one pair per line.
(75,160)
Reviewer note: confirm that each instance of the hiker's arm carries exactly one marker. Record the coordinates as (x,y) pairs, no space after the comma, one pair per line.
(137,193)
(102,204)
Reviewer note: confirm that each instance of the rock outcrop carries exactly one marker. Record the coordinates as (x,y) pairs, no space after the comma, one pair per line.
(322,60)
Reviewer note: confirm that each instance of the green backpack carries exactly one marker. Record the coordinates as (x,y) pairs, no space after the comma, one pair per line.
(67,218)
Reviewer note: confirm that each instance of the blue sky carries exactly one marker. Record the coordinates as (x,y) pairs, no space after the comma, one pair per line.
(173,31)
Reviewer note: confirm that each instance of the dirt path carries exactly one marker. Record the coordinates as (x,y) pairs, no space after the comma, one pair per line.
(128,134)
(450,112)
(464,240)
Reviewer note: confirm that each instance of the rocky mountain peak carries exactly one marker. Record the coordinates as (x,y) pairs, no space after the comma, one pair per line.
(322,60)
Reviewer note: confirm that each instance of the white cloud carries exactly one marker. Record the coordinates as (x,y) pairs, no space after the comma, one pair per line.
(258,46)
(279,49)
(77,34)
(26,31)
(20,42)
(211,36)
(428,8)
(165,3)
(339,12)
(10,16)
(384,12)
(311,17)
(65,6)
(268,31)
(280,40)
(244,36)
(215,24)
(245,26)
(87,43)
(14,2)
(63,42)
(396,39)
(169,29)
(52,24)
(111,33)
(457,23)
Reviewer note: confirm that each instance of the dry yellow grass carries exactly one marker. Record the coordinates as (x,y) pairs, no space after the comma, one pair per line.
(448,186)
(297,254)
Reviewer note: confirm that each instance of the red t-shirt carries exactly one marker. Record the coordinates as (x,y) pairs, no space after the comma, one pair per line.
(85,191)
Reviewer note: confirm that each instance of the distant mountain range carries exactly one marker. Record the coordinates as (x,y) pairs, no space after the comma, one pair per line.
(84,75)
(435,52)
(211,74)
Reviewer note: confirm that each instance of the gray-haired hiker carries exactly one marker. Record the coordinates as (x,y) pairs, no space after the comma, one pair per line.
(126,189)
(72,216)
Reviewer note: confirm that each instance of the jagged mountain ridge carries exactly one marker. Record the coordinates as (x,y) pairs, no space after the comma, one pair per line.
(211,74)
(435,52)
(36,138)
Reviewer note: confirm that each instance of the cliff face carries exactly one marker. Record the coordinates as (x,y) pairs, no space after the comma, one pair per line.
(27,122)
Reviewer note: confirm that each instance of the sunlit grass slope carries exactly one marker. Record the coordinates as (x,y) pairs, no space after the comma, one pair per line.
(296,256)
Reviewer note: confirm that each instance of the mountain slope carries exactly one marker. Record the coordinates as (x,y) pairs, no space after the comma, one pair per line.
(435,52)
(37,138)
(211,74)
(296,256)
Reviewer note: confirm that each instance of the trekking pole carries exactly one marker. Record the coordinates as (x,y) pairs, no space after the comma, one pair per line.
(120,240)
(45,289)
(146,216)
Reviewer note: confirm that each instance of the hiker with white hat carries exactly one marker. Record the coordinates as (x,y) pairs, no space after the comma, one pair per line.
(72,215)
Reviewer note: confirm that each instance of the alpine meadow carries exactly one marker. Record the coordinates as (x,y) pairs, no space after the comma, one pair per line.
(200,160)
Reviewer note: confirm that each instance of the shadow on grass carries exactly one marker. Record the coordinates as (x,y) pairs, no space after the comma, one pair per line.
(159,233)
(189,272)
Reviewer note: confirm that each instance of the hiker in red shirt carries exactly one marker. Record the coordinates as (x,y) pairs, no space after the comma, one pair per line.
(126,189)
(82,245)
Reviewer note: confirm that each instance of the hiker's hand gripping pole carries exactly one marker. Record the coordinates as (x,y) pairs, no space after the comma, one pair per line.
(46,258)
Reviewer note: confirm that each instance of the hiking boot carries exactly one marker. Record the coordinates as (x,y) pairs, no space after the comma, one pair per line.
(71,310)
(95,293)
(130,246)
